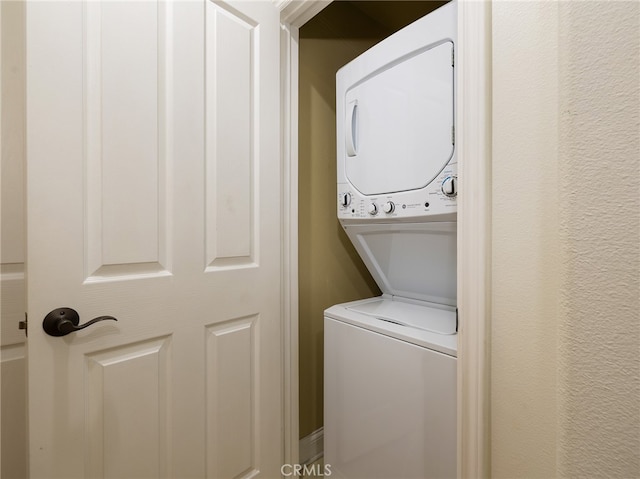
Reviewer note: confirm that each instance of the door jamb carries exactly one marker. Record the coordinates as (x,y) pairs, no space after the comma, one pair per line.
(293,14)
(473,111)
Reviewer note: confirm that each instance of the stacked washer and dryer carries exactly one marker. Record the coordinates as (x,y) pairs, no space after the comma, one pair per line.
(390,361)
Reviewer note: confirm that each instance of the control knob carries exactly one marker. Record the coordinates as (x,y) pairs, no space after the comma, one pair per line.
(388,207)
(450,186)
(373,209)
(345,199)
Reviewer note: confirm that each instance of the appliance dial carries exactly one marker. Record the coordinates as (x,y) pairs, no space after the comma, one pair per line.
(373,209)
(345,199)
(450,186)
(388,207)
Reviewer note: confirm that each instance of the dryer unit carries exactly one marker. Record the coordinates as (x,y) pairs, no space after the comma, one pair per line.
(390,362)
(395,104)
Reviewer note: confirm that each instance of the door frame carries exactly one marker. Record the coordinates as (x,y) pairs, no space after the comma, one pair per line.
(473,111)
(293,14)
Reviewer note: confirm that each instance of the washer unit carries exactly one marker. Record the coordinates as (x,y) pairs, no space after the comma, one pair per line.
(390,361)
(391,403)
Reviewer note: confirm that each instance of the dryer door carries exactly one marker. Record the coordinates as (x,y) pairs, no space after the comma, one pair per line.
(398,124)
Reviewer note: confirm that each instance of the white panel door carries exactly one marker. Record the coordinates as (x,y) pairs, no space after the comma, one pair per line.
(154,197)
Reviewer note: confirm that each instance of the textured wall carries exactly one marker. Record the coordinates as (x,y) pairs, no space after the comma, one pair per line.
(566,240)
(525,244)
(599,194)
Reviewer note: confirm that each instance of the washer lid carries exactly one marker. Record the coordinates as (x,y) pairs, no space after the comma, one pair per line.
(349,313)
(399,122)
(415,316)
(416,260)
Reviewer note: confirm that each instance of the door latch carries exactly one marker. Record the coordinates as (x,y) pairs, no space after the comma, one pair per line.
(24,325)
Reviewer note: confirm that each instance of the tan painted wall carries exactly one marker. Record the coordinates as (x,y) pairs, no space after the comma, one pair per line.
(13,417)
(565,377)
(330,270)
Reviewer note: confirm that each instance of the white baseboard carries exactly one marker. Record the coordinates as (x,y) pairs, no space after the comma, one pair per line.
(312,447)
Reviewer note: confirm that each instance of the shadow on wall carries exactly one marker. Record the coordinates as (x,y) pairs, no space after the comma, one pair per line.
(330,270)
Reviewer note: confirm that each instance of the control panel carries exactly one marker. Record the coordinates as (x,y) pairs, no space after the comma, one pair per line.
(437,198)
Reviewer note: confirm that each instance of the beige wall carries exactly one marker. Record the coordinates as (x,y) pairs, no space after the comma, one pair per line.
(565,369)
(330,270)
(599,334)
(525,249)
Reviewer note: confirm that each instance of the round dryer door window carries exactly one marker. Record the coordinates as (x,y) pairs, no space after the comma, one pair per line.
(399,123)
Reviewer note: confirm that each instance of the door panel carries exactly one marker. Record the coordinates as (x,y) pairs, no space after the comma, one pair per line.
(154,197)
(127,58)
(127,405)
(231,90)
(231,397)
